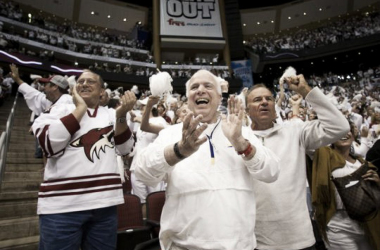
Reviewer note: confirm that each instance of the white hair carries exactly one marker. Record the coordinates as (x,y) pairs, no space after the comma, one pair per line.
(217,81)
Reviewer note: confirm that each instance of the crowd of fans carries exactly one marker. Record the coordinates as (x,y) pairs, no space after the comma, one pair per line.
(344,29)
(358,98)
(92,42)
(356,95)
(51,23)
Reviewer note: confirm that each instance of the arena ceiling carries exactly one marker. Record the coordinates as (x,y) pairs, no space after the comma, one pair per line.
(243,4)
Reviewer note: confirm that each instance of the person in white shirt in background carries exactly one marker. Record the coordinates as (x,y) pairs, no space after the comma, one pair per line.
(151,125)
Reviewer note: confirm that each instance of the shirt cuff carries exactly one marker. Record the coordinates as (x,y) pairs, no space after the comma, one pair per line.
(123,137)
(257,159)
(71,123)
(161,158)
(311,93)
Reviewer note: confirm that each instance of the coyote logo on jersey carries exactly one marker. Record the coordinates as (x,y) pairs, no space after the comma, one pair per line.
(94,141)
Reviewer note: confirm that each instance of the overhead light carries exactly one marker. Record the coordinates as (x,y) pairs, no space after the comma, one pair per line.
(244,42)
(289,17)
(244,24)
(258,23)
(92,12)
(125,19)
(109,16)
(320,9)
(304,13)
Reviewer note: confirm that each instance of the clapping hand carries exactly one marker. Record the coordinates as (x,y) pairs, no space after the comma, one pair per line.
(127,101)
(78,100)
(191,134)
(232,123)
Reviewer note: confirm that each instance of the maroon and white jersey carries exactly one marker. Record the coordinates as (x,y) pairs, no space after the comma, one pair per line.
(81,171)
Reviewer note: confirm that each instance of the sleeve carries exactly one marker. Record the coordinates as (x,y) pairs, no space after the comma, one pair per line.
(362,149)
(330,126)
(153,169)
(55,129)
(264,166)
(35,99)
(124,142)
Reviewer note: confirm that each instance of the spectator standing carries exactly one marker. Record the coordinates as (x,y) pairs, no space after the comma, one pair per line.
(283,220)
(77,200)
(54,92)
(209,165)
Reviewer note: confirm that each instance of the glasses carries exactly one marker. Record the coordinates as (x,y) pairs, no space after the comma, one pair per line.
(88,81)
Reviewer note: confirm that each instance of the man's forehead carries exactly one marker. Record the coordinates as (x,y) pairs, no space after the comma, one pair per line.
(88,74)
(202,76)
(202,81)
(261,91)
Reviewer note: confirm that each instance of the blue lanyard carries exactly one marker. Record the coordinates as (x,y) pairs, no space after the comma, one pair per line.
(210,144)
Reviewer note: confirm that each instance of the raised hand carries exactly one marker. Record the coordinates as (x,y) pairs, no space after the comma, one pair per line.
(232,123)
(81,106)
(153,100)
(295,100)
(78,100)
(191,133)
(15,74)
(298,84)
(127,101)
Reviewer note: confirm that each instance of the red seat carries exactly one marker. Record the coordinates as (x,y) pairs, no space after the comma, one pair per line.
(131,229)
(154,203)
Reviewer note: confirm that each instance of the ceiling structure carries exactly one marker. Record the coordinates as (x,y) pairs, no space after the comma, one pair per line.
(243,4)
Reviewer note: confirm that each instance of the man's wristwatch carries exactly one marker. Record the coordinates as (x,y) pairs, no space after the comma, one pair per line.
(121,119)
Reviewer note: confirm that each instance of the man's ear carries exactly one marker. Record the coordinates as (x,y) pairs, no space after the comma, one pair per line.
(102,91)
(53,86)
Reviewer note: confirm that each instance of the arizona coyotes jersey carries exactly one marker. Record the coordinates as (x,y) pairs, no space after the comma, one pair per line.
(81,171)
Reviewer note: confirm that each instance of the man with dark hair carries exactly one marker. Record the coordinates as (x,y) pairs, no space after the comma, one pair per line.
(282,220)
(54,92)
(81,188)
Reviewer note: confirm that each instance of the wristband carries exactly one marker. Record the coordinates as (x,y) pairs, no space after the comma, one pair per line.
(247,151)
(177,153)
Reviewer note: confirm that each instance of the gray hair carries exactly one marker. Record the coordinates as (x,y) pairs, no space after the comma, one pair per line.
(216,79)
